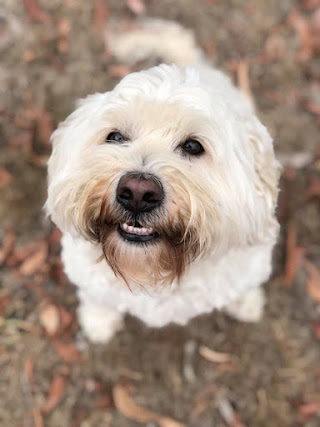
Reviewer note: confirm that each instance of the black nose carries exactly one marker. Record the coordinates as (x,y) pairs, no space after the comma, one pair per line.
(139,193)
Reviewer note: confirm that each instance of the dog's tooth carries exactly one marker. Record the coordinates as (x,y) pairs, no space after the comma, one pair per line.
(124,226)
(130,229)
(144,231)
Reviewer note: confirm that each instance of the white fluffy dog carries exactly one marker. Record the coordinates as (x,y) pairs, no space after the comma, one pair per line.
(165,191)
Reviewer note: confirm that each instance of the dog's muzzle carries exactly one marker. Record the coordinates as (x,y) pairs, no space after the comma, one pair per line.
(138,193)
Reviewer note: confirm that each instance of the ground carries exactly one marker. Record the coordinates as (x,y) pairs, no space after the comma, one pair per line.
(269,373)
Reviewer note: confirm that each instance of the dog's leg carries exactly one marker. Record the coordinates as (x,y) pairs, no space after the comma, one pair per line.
(249,308)
(98,322)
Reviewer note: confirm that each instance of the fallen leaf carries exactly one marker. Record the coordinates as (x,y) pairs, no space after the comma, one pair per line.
(310,4)
(214,356)
(28,55)
(294,255)
(308,410)
(34,12)
(136,6)
(5,178)
(28,371)
(67,351)
(100,15)
(127,406)
(36,261)
(55,394)
(37,418)
(314,188)
(118,70)
(303,29)
(316,329)
(23,141)
(313,283)
(7,245)
(4,302)
(64,28)
(50,319)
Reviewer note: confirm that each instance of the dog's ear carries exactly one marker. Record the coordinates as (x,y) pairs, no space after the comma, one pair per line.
(265,176)
(66,139)
(63,138)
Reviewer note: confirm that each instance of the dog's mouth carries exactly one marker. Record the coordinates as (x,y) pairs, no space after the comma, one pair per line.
(135,232)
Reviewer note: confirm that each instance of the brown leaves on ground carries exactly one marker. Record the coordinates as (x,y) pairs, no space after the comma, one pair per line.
(127,406)
(313,190)
(5,178)
(36,261)
(34,12)
(55,394)
(55,319)
(214,356)
(308,31)
(7,245)
(67,351)
(100,15)
(294,255)
(313,283)
(307,410)
(136,6)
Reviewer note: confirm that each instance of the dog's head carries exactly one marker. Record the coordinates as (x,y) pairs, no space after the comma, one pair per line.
(161,171)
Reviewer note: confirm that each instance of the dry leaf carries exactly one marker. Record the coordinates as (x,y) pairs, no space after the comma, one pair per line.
(313,189)
(55,394)
(214,356)
(34,12)
(37,418)
(127,406)
(308,410)
(7,245)
(36,261)
(313,284)
(50,319)
(136,6)
(28,371)
(294,255)
(64,28)
(302,27)
(67,351)
(100,15)
(118,70)
(5,178)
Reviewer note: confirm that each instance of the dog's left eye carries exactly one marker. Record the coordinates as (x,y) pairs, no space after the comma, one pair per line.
(192,147)
(116,137)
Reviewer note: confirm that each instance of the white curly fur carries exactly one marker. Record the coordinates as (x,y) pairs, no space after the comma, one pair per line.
(226,198)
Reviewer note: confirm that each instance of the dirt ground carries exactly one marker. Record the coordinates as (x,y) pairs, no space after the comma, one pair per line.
(53,53)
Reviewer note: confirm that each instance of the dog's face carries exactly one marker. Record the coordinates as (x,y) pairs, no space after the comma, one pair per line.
(160,172)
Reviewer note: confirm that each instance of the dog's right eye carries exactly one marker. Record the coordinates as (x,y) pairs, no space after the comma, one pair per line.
(116,137)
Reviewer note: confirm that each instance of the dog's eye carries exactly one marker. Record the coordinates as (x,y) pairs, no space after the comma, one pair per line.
(192,147)
(116,137)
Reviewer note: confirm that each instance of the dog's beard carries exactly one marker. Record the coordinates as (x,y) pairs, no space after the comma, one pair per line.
(156,262)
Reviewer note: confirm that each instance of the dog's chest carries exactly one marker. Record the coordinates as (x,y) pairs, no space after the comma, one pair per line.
(206,285)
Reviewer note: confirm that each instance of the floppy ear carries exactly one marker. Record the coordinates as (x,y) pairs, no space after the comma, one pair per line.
(266,177)
(65,140)
(63,137)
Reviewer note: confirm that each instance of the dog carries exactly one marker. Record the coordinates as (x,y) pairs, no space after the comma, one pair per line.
(165,190)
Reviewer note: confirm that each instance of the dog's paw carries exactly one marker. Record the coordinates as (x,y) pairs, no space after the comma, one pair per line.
(99,324)
(249,308)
